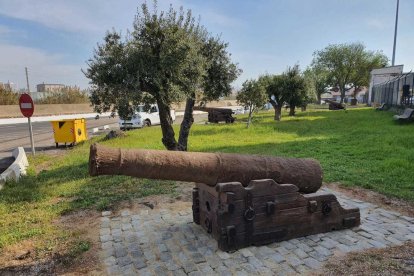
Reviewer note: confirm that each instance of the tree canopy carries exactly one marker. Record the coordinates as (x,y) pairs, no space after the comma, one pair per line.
(253,96)
(289,88)
(166,58)
(348,65)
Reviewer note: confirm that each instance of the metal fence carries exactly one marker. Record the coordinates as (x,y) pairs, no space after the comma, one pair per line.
(395,92)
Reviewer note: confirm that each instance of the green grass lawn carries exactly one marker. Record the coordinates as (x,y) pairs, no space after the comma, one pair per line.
(358,147)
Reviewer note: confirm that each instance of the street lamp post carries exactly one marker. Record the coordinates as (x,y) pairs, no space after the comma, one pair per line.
(395,33)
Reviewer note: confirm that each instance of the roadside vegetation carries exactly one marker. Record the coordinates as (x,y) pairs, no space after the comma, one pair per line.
(358,147)
(68,95)
(8,97)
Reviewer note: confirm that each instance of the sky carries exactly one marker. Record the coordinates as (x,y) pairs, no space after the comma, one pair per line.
(55,38)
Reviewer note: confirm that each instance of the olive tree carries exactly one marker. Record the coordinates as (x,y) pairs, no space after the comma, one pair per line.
(289,87)
(166,58)
(253,96)
(348,65)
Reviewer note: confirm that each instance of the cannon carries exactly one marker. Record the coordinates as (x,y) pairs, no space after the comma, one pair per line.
(335,105)
(216,114)
(204,167)
(241,200)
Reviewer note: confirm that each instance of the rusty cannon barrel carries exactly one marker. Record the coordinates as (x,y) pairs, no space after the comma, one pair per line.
(203,167)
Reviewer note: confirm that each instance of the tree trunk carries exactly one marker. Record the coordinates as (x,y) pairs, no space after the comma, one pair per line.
(277,108)
(342,88)
(186,124)
(292,110)
(250,116)
(278,113)
(318,96)
(168,135)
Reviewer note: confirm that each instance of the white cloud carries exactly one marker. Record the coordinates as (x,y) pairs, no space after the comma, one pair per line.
(41,65)
(92,16)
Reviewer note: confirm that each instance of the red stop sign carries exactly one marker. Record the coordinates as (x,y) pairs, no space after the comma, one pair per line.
(26,105)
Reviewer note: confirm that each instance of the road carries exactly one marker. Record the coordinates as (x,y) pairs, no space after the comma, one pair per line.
(17,135)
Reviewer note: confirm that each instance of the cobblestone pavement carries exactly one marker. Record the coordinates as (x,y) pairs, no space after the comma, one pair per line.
(164,241)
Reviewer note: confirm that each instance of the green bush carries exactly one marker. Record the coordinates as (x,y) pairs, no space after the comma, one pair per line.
(8,97)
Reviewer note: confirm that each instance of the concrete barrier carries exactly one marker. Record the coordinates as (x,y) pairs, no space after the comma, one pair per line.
(17,168)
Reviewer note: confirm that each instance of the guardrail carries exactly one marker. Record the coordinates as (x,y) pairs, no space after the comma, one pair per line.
(17,168)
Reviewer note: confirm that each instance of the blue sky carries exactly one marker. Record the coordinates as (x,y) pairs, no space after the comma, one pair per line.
(55,38)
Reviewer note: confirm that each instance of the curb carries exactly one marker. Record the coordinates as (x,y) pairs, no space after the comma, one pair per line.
(97,129)
(17,168)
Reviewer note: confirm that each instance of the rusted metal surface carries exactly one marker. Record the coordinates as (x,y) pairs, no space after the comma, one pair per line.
(265,212)
(208,168)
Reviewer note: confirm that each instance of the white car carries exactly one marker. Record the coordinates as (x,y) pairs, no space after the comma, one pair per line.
(143,118)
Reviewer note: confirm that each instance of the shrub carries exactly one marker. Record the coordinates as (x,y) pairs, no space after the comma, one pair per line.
(8,97)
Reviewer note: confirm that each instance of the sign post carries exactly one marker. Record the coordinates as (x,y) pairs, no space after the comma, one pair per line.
(27,109)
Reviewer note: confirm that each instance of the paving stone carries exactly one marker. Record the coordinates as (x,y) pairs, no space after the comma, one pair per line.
(214,261)
(246,252)
(223,255)
(197,258)
(189,267)
(205,268)
(179,272)
(106,213)
(139,263)
(312,263)
(123,261)
(293,260)
(254,262)
(300,253)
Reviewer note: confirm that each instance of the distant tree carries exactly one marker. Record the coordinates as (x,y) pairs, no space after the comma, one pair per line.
(289,87)
(167,58)
(294,89)
(317,82)
(253,96)
(8,97)
(274,90)
(348,65)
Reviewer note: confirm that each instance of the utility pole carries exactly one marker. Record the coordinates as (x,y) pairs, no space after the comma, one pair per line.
(395,33)
(27,81)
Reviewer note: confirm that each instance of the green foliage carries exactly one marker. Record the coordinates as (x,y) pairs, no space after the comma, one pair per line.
(68,95)
(8,97)
(288,88)
(348,65)
(253,96)
(317,82)
(169,56)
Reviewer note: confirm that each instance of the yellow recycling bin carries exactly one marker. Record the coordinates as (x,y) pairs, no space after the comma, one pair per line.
(69,131)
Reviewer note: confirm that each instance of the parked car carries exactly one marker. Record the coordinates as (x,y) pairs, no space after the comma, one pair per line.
(143,117)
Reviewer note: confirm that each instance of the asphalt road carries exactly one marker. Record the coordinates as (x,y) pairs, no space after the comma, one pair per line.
(17,135)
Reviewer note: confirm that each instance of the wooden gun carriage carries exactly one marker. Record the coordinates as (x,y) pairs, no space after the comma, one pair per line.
(216,114)
(241,200)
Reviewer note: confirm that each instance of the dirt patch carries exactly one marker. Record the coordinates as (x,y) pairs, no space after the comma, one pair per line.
(398,260)
(394,204)
(76,255)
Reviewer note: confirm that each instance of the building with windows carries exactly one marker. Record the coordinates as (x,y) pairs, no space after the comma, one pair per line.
(49,87)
